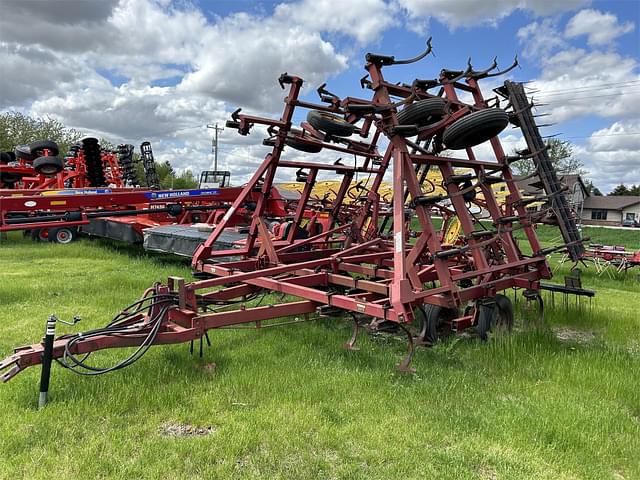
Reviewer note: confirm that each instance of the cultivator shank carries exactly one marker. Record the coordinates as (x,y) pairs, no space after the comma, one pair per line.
(386,260)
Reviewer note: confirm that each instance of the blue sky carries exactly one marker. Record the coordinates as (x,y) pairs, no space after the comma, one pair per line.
(135,70)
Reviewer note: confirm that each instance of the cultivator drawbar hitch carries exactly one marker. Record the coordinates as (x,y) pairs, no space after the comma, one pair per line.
(375,259)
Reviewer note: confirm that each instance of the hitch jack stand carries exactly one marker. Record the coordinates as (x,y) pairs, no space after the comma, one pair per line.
(47,357)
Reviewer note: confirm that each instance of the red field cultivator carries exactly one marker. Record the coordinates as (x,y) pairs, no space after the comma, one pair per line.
(363,264)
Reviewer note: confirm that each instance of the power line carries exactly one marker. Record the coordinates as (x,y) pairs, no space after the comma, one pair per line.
(571,99)
(592,87)
(581,136)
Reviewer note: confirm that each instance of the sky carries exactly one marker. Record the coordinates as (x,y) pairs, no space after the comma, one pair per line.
(161,70)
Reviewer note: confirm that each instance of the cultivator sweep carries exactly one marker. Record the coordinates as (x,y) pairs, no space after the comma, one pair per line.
(375,265)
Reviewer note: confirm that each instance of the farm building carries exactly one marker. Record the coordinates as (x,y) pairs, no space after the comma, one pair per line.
(610,210)
(594,210)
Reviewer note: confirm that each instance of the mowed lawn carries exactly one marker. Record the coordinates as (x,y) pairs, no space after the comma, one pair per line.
(560,401)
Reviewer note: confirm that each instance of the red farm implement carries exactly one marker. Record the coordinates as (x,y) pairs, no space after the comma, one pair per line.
(363,264)
(38,167)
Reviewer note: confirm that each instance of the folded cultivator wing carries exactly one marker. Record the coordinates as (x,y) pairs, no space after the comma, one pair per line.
(384,262)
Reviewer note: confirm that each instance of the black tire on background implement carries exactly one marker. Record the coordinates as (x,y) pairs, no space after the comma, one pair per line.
(40,235)
(48,165)
(423,112)
(475,128)
(93,160)
(9,179)
(37,148)
(23,152)
(330,124)
(63,235)
(294,140)
(4,158)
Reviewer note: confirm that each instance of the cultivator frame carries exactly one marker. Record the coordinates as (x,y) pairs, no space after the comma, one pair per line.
(353,267)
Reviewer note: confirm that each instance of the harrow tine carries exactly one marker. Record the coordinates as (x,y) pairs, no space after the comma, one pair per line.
(405,365)
(350,345)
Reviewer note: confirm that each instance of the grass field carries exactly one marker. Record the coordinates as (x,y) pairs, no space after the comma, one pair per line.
(561,401)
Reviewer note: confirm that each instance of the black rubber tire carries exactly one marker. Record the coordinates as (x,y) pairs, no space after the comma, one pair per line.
(37,148)
(485,319)
(469,196)
(9,179)
(475,128)
(505,316)
(293,141)
(40,235)
(23,152)
(48,165)
(499,316)
(4,158)
(423,112)
(285,228)
(330,123)
(63,235)
(434,318)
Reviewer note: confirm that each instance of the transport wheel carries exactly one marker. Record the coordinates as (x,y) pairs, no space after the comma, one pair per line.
(48,165)
(498,316)
(435,317)
(475,128)
(4,158)
(505,317)
(294,140)
(62,235)
(330,124)
(423,112)
(40,235)
(37,148)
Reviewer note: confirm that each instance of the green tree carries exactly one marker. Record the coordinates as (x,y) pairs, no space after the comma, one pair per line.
(19,129)
(561,154)
(619,190)
(185,180)
(592,189)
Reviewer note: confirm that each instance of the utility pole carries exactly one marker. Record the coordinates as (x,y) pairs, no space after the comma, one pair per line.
(214,144)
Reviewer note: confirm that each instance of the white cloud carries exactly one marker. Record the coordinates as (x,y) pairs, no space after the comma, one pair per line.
(457,13)
(245,72)
(611,155)
(576,83)
(364,20)
(601,28)
(540,38)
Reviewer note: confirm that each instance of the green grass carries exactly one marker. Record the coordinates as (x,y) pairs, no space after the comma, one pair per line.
(550,235)
(290,403)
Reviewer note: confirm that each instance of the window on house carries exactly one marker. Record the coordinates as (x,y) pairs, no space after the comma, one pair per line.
(630,216)
(598,214)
